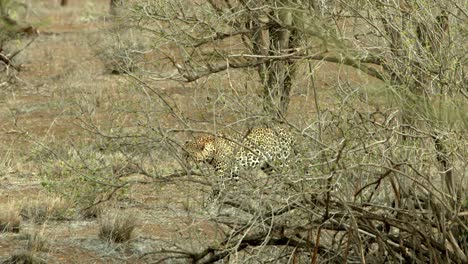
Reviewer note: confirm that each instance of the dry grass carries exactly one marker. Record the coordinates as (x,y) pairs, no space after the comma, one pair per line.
(10,219)
(58,91)
(24,257)
(37,242)
(117,229)
(45,101)
(92,212)
(42,210)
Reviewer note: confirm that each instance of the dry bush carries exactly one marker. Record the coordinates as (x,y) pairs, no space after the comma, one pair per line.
(121,49)
(24,257)
(93,212)
(116,228)
(37,242)
(382,176)
(45,209)
(98,174)
(10,219)
(379,177)
(11,28)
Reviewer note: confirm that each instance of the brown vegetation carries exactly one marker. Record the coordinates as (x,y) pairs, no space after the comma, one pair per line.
(117,228)
(95,109)
(10,220)
(23,257)
(37,243)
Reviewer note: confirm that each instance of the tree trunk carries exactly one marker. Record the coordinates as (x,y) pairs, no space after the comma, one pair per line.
(63,2)
(274,38)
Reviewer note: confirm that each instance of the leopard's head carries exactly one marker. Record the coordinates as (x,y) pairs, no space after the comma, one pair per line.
(201,149)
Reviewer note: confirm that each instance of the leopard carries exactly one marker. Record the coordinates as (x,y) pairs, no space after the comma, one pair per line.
(261,147)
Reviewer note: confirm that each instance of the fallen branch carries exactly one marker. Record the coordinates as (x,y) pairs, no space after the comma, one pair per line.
(7,59)
(213,254)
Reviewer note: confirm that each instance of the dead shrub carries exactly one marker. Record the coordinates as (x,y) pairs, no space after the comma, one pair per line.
(24,257)
(10,220)
(37,243)
(116,229)
(92,212)
(121,50)
(41,210)
(97,180)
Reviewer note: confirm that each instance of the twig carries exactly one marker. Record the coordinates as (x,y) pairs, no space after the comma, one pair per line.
(13,55)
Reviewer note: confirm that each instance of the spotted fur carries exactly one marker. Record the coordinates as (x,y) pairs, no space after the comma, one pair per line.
(260,147)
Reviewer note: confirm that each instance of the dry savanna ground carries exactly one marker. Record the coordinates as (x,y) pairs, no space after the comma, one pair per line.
(64,93)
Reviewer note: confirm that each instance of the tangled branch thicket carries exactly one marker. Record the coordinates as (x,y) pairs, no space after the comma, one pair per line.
(380,171)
